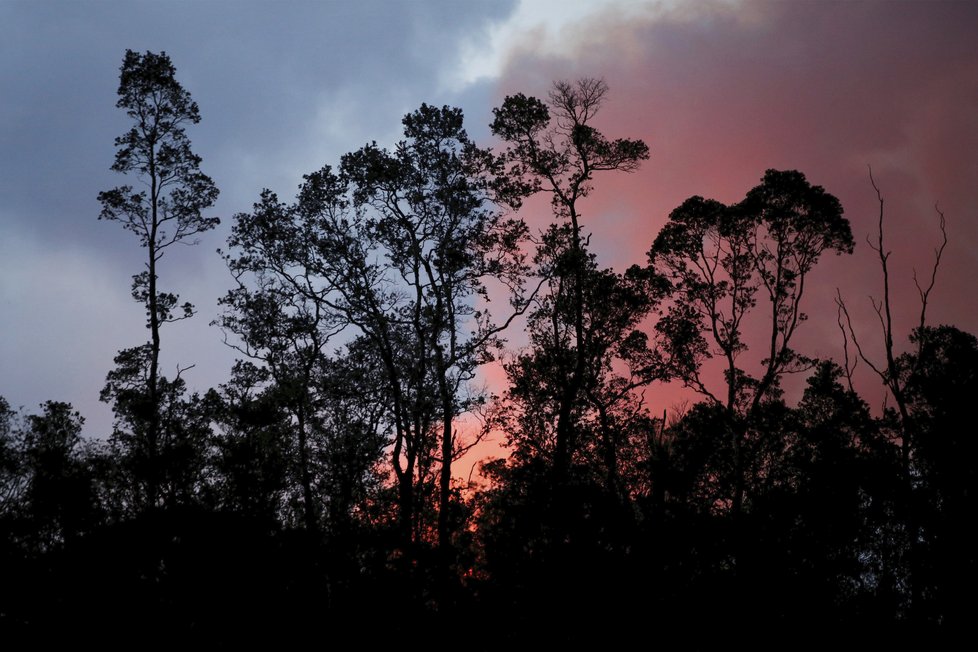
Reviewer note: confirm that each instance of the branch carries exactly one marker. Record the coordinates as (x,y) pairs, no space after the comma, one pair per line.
(938,253)
(884,305)
(180,369)
(852,333)
(849,367)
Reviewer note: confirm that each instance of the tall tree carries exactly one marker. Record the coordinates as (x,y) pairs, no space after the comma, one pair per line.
(571,409)
(555,148)
(168,210)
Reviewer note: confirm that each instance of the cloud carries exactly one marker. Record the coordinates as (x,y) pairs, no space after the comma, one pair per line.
(283,88)
(62,317)
(723,91)
(550,27)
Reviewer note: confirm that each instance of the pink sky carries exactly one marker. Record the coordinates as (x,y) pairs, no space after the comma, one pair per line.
(722,92)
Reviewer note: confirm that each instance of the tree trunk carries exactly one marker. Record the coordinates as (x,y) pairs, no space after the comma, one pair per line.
(565,427)
(309,511)
(152,480)
(447,450)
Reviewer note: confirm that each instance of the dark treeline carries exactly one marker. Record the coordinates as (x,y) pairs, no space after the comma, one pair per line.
(312,496)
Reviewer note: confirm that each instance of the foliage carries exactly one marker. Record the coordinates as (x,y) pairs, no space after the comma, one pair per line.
(719,261)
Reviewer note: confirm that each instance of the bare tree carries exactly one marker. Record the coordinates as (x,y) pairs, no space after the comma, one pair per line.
(895,377)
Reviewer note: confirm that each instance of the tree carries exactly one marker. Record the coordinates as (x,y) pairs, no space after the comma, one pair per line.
(47,484)
(278,316)
(12,477)
(940,380)
(616,358)
(396,250)
(572,412)
(718,262)
(432,215)
(156,151)
(251,453)
(60,496)
(168,469)
(895,372)
(555,148)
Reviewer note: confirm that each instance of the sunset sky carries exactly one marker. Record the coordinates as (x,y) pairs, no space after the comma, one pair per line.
(720,91)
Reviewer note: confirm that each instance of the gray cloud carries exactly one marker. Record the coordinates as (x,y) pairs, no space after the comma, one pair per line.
(283,89)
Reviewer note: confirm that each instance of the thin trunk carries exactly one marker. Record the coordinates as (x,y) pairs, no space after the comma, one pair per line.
(405,495)
(610,455)
(736,440)
(892,378)
(737,433)
(447,450)
(910,510)
(658,463)
(403,468)
(402,459)
(565,427)
(152,489)
(309,512)
(382,338)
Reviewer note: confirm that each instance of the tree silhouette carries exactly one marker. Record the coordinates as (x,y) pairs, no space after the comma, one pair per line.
(277,313)
(616,364)
(60,496)
(894,373)
(11,462)
(252,451)
(940,378)
(157,152)
(396,250)
(555,148)
(571,413)
(431,214)
(718,262)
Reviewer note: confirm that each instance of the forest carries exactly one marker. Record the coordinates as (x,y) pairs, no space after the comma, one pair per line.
(316,494)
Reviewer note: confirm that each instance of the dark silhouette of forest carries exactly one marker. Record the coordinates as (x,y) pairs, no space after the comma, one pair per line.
(312,496)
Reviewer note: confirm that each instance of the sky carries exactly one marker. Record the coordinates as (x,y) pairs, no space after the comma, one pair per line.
(720,91)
